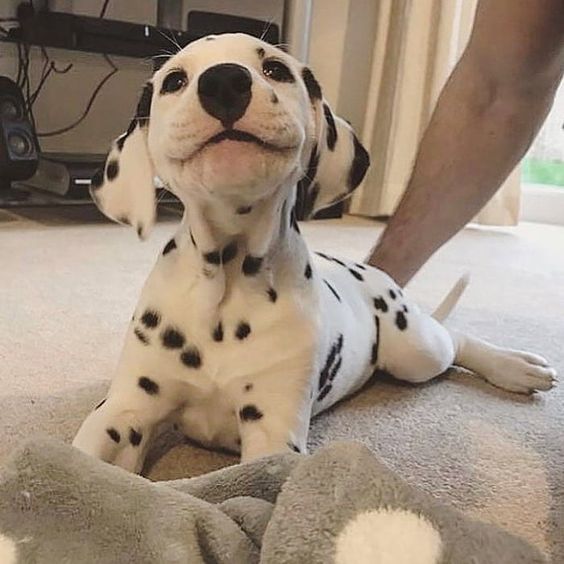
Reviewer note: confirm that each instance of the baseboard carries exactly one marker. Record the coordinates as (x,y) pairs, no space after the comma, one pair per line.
(542,204)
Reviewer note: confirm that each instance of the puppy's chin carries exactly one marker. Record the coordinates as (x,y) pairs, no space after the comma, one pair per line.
(234,168)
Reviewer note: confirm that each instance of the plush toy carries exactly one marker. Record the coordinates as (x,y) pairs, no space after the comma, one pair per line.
(339,505)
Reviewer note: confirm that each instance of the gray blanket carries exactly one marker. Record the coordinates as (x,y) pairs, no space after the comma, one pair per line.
(339,505)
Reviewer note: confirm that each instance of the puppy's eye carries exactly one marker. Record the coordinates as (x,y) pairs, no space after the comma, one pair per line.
(276,70)
(174,81)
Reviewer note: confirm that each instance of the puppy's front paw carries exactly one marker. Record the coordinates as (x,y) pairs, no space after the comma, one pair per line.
(113,437)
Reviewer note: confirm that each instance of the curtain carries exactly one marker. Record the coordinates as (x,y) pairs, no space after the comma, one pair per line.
(417,43)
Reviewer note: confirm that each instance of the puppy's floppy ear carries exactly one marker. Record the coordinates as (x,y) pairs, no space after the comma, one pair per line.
(124,189)
(338,162)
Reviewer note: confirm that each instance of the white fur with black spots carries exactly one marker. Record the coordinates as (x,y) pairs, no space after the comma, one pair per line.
(241,334)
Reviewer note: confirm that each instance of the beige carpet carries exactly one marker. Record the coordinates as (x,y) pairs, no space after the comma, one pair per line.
(67,290)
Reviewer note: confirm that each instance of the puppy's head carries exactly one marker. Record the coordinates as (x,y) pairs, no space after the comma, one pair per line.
(229,118)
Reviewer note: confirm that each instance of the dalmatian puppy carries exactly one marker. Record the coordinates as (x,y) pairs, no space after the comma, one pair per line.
(241,334)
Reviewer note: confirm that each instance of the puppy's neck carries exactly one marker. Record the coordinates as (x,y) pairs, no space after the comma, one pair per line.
(254,236)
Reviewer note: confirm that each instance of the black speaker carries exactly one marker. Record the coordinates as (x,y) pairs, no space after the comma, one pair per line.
(19,149)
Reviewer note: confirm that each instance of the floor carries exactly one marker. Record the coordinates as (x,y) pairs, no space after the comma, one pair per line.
(69,282)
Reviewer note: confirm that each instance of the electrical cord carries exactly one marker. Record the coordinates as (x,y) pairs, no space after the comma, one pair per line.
(104,8)
(49,67)
(86,110)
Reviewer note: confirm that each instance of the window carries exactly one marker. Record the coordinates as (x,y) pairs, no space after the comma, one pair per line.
(542,169)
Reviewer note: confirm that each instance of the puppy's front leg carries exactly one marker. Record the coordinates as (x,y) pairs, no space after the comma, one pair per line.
(119,429)
(274,417)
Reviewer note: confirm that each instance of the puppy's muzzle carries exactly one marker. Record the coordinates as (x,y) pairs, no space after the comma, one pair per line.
(225,92)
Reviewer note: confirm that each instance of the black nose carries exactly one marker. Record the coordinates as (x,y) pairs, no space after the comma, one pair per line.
(225,92)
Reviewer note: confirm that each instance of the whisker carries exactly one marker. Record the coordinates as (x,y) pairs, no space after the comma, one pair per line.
(266,28)
(162,195)
(161,56)
(167,37)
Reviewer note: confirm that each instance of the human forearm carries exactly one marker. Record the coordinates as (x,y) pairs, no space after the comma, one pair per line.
(484,121)
(476,137)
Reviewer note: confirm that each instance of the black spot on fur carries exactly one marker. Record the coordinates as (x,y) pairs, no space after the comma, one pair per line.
(251,265)
(401,321)
(210,38)
(294,447)
(244,210)
(192,239)
(294,221)
(274,98)
(229,252)
(139,230)
(332,290)
(243,330)
(272,294)
(150,318)
(170,246)
(332,357)
(335,369)
(307,197)
(172,338)
(359,166)
(311,84)
(100,404)
(250,413)
(218,333)
(356,274)
(374,354)
(144,105)
(260,52)
(361,266)
(150,386)
(130,129)
(331,128)
(112,170)
(121,139)
(213,257)
(97,180)
(248,387)
(404,307)
(191,358)
(375,346)
(331,259)
(141,336)
(324,392)
(308,271)
(114,435)
(135,437)
(392,294)
(380,304)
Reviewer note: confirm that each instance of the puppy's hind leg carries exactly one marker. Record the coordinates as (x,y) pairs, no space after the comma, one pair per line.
(513,370)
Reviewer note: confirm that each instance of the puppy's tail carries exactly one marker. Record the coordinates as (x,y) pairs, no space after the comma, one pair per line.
(451,299)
